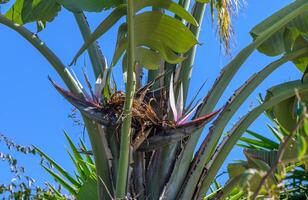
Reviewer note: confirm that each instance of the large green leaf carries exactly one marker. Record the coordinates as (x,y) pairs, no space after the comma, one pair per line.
(160,33)
(171,32)
(276,17)
(237,168)
(120,11)
(165,52)
(169,5)
(25,11)
(89,5)
(302,62)
(145,58)
(286,111)
(290,37)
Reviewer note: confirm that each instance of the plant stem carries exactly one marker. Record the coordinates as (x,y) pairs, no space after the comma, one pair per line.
(280,154)
(130,90)
(97,58)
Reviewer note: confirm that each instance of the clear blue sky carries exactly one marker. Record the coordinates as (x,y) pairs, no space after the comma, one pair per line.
(32,112)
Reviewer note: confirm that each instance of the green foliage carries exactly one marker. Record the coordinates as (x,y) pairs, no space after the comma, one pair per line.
(39,11)
(286,112)
(166,44)
(291,37)
(168,36)
(290,173)
(89,5)
(84,182)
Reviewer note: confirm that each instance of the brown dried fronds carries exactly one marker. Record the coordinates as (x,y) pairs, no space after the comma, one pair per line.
(144,119)
(143,114)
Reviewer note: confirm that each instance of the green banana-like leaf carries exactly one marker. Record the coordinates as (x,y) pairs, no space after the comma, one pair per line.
(161,33)
(171,32)
(168,5)
(165,52)
(237,168)
(287,37)
(260,165)
(120,11)
(301,145)
(89,5)
(286,111)
(290,156)
(41,11)
(146,58)
(302,62)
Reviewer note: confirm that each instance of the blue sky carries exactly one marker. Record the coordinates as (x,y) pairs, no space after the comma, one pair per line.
(32,112)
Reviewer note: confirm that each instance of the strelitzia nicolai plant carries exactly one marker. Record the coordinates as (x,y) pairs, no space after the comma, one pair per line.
(163,164)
